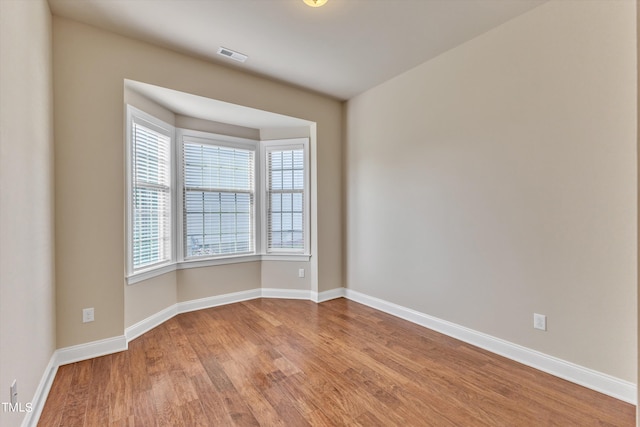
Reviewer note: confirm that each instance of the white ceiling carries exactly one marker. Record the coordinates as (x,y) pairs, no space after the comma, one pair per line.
(340,49)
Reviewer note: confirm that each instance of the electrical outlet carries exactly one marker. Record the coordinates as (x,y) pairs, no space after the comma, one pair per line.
(540,321)
(87,315)
(301,273)
(14,392)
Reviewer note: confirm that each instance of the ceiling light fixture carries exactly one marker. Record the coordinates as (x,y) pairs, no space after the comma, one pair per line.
(315,3)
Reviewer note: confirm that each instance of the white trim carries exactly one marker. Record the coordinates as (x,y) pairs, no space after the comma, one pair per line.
(199,304)
(197,263)
(90,350)
(135,115)
(598,381)
(285,293)
(328,295)
(313,199)
(41,394)
(148,274)
(286,257)
(285,144)
(214,139)
(145,325)
(209,262)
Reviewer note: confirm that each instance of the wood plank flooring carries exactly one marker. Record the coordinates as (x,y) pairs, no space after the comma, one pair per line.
(272,362)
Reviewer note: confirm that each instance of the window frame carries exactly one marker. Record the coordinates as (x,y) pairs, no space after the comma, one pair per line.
(285,145)
(218,140)
(137,116)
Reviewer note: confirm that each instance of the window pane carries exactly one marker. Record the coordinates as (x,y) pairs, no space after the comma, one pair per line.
(244,223)
(211,202)
(298,159)
(193,201)
(228,223)
(287,202)
(287,180)
(195,224)
(297,222)
(298,179)
(228,202)
(276,202)
(243,203)
(276,222)
(297,202)
(276,180)
(276,160)
(287,221)
(287,160)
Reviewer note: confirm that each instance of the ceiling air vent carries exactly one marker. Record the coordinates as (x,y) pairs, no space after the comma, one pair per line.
(231,54)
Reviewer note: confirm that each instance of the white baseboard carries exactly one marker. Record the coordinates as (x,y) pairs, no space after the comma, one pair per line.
(90,350)
(285,293)
(598,381)
(42,391)
(327,295)
(145,325)
(199,304)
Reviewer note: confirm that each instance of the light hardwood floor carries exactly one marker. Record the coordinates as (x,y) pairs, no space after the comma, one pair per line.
(296,363)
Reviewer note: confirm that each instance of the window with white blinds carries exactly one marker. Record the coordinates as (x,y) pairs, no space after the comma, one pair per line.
(150,192)
(286,194)
(196,198)
(218,200)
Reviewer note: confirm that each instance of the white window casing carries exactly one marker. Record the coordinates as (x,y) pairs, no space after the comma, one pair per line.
(150,193)
(218,200)
(286,218)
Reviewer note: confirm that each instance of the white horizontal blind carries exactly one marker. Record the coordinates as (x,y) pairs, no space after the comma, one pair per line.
(218,200)
(285,198)
(151,194)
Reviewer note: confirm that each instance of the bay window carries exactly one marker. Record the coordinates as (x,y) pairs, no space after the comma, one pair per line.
(197,199)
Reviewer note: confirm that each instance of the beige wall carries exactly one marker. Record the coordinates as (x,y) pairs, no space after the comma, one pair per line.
(143,103)
(203,282)
(90,66)
(27,291)
(499,180)
(284,275)
(146,298)
(215,127)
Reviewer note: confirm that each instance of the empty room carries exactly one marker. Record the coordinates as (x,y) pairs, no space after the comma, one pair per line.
(318,212)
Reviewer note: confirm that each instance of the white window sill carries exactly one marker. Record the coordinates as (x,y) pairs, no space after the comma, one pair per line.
(148,274)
